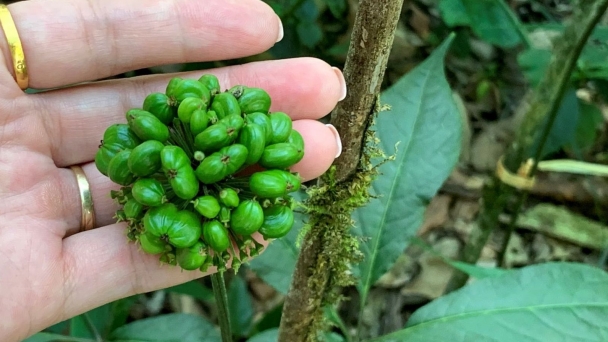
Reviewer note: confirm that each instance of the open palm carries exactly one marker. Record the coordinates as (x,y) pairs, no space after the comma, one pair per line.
(49,271)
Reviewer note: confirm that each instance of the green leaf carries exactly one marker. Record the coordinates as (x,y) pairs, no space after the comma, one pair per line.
(101,320)
(310,34)
(493,22)
(454,13)
(168,328)
(272,319)
(79,327)
(271,335)
(195,289)
(490,20)
(276,265)
(533,63)
(426,123)
(337,7)
(563,129)
(51,337)
(590,121)
(307,11)
(240,307)
(545,302)
(60,328)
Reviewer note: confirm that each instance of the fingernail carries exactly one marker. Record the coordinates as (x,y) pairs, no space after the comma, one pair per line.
(337,136)
(342,83)
(281,33)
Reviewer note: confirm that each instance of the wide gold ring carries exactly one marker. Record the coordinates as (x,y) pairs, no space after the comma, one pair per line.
(14,43)
(86,199)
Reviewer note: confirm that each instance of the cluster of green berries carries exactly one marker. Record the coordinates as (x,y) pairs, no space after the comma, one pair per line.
(184,162)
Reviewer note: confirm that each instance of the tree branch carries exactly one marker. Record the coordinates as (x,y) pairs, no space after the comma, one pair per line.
(371,43)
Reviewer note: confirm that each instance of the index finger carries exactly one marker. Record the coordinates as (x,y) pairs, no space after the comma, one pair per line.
(72,41)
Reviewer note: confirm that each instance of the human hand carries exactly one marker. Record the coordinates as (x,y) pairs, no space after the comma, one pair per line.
(49,269)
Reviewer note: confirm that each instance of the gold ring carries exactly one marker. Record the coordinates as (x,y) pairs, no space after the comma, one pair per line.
(12,37)
(88,212)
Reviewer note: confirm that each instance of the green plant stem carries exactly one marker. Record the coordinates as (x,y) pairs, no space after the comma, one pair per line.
(502,252)
(545,103)
(221,298)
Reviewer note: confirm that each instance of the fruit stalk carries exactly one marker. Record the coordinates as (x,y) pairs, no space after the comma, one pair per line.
(219,290)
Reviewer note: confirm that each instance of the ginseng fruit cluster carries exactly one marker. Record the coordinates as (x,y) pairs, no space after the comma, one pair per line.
(185,160)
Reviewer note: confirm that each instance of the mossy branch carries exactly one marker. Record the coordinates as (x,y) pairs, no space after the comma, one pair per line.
(544,104)
(328,248)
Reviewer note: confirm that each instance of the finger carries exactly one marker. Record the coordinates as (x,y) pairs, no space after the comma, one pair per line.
(103,267)
(70,41)
(321,147)
(78,117)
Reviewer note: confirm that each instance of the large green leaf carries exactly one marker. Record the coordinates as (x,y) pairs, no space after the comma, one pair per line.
(546,302)
(270,335)
(168,328)
(563,128)
(240,307)
(491,20)
(51,337)
(425,120)
(454,13)
(195,289)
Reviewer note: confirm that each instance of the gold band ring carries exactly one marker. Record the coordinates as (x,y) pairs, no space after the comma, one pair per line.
(14,43)
(86,199)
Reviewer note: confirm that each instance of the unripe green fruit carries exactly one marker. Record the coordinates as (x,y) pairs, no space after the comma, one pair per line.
(254,100)
(116,138)
(207,206)
(133,209)
(281,127)
(213,138)
(279,156)
(268,184)
(264,121)
(149,192)
(159,105)
(199,121)
(176,166)
(145,158)
(225,104)
(247,218)
(278,220)
(189,88)
(211,82)
(188,106)
(192,257)
(216,236)
(229,197)
(118,169)
(149,128)
(253,137)
(151,244)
